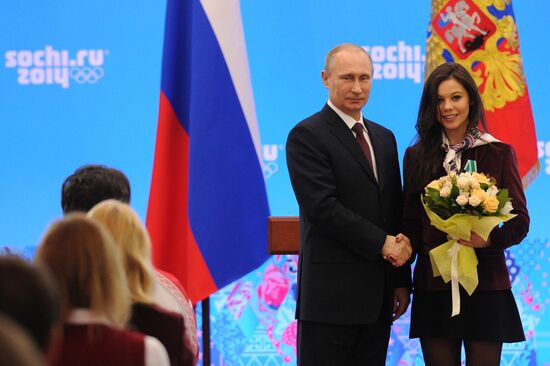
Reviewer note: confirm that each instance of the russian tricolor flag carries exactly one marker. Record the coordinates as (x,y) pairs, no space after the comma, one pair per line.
(208,209)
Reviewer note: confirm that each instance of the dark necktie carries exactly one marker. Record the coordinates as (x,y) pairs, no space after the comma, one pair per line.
(358,129)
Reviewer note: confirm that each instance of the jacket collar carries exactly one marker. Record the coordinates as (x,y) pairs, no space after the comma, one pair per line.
(344,135)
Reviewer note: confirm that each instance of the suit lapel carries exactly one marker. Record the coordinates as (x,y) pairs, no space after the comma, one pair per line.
(345,137)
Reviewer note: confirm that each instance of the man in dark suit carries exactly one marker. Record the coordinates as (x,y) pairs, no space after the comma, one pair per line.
(352,277)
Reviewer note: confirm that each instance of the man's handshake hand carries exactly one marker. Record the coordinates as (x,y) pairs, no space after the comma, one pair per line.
(397,249)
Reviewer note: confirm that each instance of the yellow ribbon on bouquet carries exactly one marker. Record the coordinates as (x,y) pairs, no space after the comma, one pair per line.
(456,262)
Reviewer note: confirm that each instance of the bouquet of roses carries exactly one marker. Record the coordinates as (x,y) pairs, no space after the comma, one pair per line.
(459,204)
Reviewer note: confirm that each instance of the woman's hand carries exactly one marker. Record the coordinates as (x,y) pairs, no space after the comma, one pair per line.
(475,241)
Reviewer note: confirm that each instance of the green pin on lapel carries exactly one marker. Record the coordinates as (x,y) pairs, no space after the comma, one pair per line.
(471,166)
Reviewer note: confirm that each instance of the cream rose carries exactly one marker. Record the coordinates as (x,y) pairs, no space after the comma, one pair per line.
(479,193)
(445,191)
(490,205)
(492,191)
(481,178)
(434,184)
(474,201)
(462,182)
(462,200)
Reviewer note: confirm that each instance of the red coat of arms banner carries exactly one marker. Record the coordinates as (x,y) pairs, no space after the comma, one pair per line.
(482,36)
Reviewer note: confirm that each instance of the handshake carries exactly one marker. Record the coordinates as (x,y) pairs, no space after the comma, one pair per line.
(397,249)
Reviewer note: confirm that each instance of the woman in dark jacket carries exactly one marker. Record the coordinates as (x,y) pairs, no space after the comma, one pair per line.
(451,110)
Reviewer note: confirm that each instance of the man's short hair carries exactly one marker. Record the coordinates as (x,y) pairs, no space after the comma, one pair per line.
(91,184)
(344,46)
(29,297)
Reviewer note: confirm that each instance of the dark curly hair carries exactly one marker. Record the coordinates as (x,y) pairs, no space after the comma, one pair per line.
(91,184)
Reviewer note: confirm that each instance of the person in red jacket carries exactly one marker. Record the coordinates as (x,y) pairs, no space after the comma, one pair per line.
(88,269)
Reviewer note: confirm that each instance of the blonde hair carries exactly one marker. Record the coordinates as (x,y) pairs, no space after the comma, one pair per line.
(132,238)
(87,267)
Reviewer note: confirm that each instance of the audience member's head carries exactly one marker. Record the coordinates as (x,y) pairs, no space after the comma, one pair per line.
(29,297)
(16,348)
(91,184)
(131,236)
(87,267)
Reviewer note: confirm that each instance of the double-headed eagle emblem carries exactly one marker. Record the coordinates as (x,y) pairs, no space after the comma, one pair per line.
(482,36)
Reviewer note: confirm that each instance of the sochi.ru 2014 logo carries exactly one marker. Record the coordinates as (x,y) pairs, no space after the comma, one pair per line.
(49,66)
(397,61)
(270,155)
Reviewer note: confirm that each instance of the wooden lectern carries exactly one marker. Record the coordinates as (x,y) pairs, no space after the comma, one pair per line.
(283,234)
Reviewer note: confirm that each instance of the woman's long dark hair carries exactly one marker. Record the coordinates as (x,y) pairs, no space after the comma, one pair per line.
(428,140)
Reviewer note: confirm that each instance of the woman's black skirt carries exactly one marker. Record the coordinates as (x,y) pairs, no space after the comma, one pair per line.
(490,316)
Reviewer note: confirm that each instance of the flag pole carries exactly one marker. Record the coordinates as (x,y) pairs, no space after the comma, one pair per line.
(205,304)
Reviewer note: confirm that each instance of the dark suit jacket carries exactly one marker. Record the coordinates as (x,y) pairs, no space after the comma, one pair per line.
(345,215)
(497,160)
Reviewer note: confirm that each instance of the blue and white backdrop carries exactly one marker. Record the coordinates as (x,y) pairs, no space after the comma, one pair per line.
(79,83)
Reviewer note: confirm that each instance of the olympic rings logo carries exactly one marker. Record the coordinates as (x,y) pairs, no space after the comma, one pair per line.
(86,74)
(269,168)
